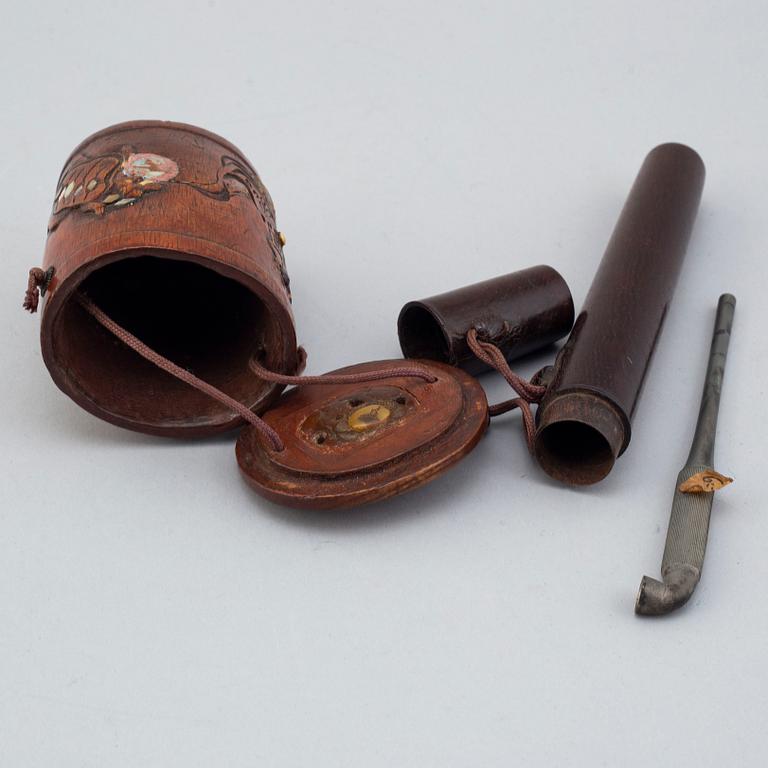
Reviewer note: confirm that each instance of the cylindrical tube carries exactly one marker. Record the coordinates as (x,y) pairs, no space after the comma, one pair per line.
(168,229)
(519,313)
(584,420)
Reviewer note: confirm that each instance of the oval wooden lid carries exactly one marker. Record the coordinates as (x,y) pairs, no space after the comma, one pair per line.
(348,444)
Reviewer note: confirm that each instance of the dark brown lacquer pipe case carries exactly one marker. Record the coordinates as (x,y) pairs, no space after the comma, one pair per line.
(167,228)
(519,313)
(583,422)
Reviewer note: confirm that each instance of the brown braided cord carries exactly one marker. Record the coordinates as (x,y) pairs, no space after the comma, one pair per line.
(180,373)
(527,392)
(340,378)
(184,375)
(36,279)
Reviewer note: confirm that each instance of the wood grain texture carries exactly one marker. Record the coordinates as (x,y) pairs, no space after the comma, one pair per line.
(428,427)
(585,418)
(170,227)
(519,313)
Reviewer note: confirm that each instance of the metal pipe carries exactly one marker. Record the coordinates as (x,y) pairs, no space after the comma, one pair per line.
(689,521)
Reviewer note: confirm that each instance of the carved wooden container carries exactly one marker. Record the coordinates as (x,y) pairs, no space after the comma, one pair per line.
(168,228)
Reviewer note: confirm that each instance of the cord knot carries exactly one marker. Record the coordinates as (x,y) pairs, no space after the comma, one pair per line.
(36,285)
(36,281)
(527,391)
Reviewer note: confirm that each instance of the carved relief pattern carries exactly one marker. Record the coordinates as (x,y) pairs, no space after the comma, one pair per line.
(236,170)
(112,181)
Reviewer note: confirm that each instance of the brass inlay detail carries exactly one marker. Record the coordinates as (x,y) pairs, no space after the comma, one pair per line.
(368,417)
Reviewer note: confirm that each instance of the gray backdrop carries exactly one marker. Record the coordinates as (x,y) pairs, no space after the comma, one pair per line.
(155,612)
